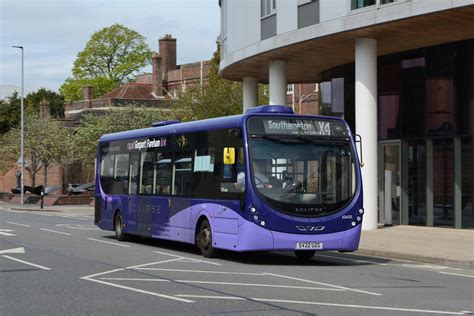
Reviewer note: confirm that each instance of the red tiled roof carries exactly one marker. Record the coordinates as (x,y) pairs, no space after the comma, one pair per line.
(131,90)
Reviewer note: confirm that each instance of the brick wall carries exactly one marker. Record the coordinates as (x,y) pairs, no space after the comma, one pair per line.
(55,177)
(305,100)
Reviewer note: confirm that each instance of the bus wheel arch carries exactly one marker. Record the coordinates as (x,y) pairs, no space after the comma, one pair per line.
(118,226)
(203,237)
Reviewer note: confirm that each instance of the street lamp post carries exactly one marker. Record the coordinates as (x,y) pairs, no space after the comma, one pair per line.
(22,157)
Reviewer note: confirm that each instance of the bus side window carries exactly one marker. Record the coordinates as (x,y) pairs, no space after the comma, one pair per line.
(107,172)
(132,184)
(121,170)
(182,176)
(233,176)
(147,173)
(163,167)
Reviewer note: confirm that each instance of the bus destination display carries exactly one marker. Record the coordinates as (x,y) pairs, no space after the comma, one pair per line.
(303,127)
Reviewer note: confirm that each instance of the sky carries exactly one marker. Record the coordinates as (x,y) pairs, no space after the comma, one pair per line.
(52,32)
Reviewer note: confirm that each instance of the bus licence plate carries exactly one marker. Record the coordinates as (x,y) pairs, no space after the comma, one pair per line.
(309,245)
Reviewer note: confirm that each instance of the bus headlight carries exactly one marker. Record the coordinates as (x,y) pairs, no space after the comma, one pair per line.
(253,209)
(255,217)
(262,223)
(358,218)
(353,223)
(361,211)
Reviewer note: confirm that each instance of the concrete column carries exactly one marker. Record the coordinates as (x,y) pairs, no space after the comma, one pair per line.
(457,183)
(429,184)
(277,82)
(250,89)
(366,123)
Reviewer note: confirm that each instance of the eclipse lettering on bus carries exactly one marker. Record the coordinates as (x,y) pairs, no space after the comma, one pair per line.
(148,143)
(149,208)
(309,209)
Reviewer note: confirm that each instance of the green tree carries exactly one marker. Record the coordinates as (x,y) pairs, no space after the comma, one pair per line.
(220,97)
(45,141)
(9,149)
(72,88)
(10,153)
(111,57)
(48,141)
(10,108)
(9,113)
(94,126)
(56,101)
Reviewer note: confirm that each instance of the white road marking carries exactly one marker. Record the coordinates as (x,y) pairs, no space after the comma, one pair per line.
(428,311)
(326,304)
(192,259)
(54,231)
(354,260)
(201,271)
(429,266)
(78,226)
(26,262)
(13,250)
(326,284)
(261,285)
(139,290)
(457,274)
(6,232)
(18,224)
(90,278)
(108,242)
(102,273)
(123,269)
(149,264)
(213,297)
(135,279)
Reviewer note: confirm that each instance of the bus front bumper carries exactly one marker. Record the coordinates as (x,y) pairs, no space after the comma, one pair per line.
(255,238)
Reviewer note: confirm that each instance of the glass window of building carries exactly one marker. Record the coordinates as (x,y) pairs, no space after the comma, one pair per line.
(268,23)
(268,7)
(308,13)
(359,4)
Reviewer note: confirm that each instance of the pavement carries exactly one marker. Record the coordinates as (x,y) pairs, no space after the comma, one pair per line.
(443,246)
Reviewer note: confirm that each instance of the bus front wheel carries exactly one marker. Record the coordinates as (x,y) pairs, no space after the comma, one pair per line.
(121,236)
(204,240)
(304,254)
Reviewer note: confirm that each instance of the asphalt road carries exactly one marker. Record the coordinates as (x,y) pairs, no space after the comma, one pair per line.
(60,263)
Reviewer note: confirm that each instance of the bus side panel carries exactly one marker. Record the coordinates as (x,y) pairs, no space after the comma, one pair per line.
(180,219)
(114,204)
(224,220)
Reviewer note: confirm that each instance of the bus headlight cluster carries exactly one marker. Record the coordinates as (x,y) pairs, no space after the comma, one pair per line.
(257,217)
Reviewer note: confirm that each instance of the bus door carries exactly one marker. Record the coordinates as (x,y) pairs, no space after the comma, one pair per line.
(179,213)
(146,207)
(163,182)
(131,212)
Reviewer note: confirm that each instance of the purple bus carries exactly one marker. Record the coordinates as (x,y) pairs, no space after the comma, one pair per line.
(265,180)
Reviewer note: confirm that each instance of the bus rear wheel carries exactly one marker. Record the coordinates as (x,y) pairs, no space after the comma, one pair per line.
(204,240)
(118,225)
(304,254)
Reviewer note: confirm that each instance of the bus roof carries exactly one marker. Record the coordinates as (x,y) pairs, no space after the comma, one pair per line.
(178,128)
(173,127)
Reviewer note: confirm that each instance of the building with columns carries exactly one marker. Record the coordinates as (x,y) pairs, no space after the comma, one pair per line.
(401,72)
